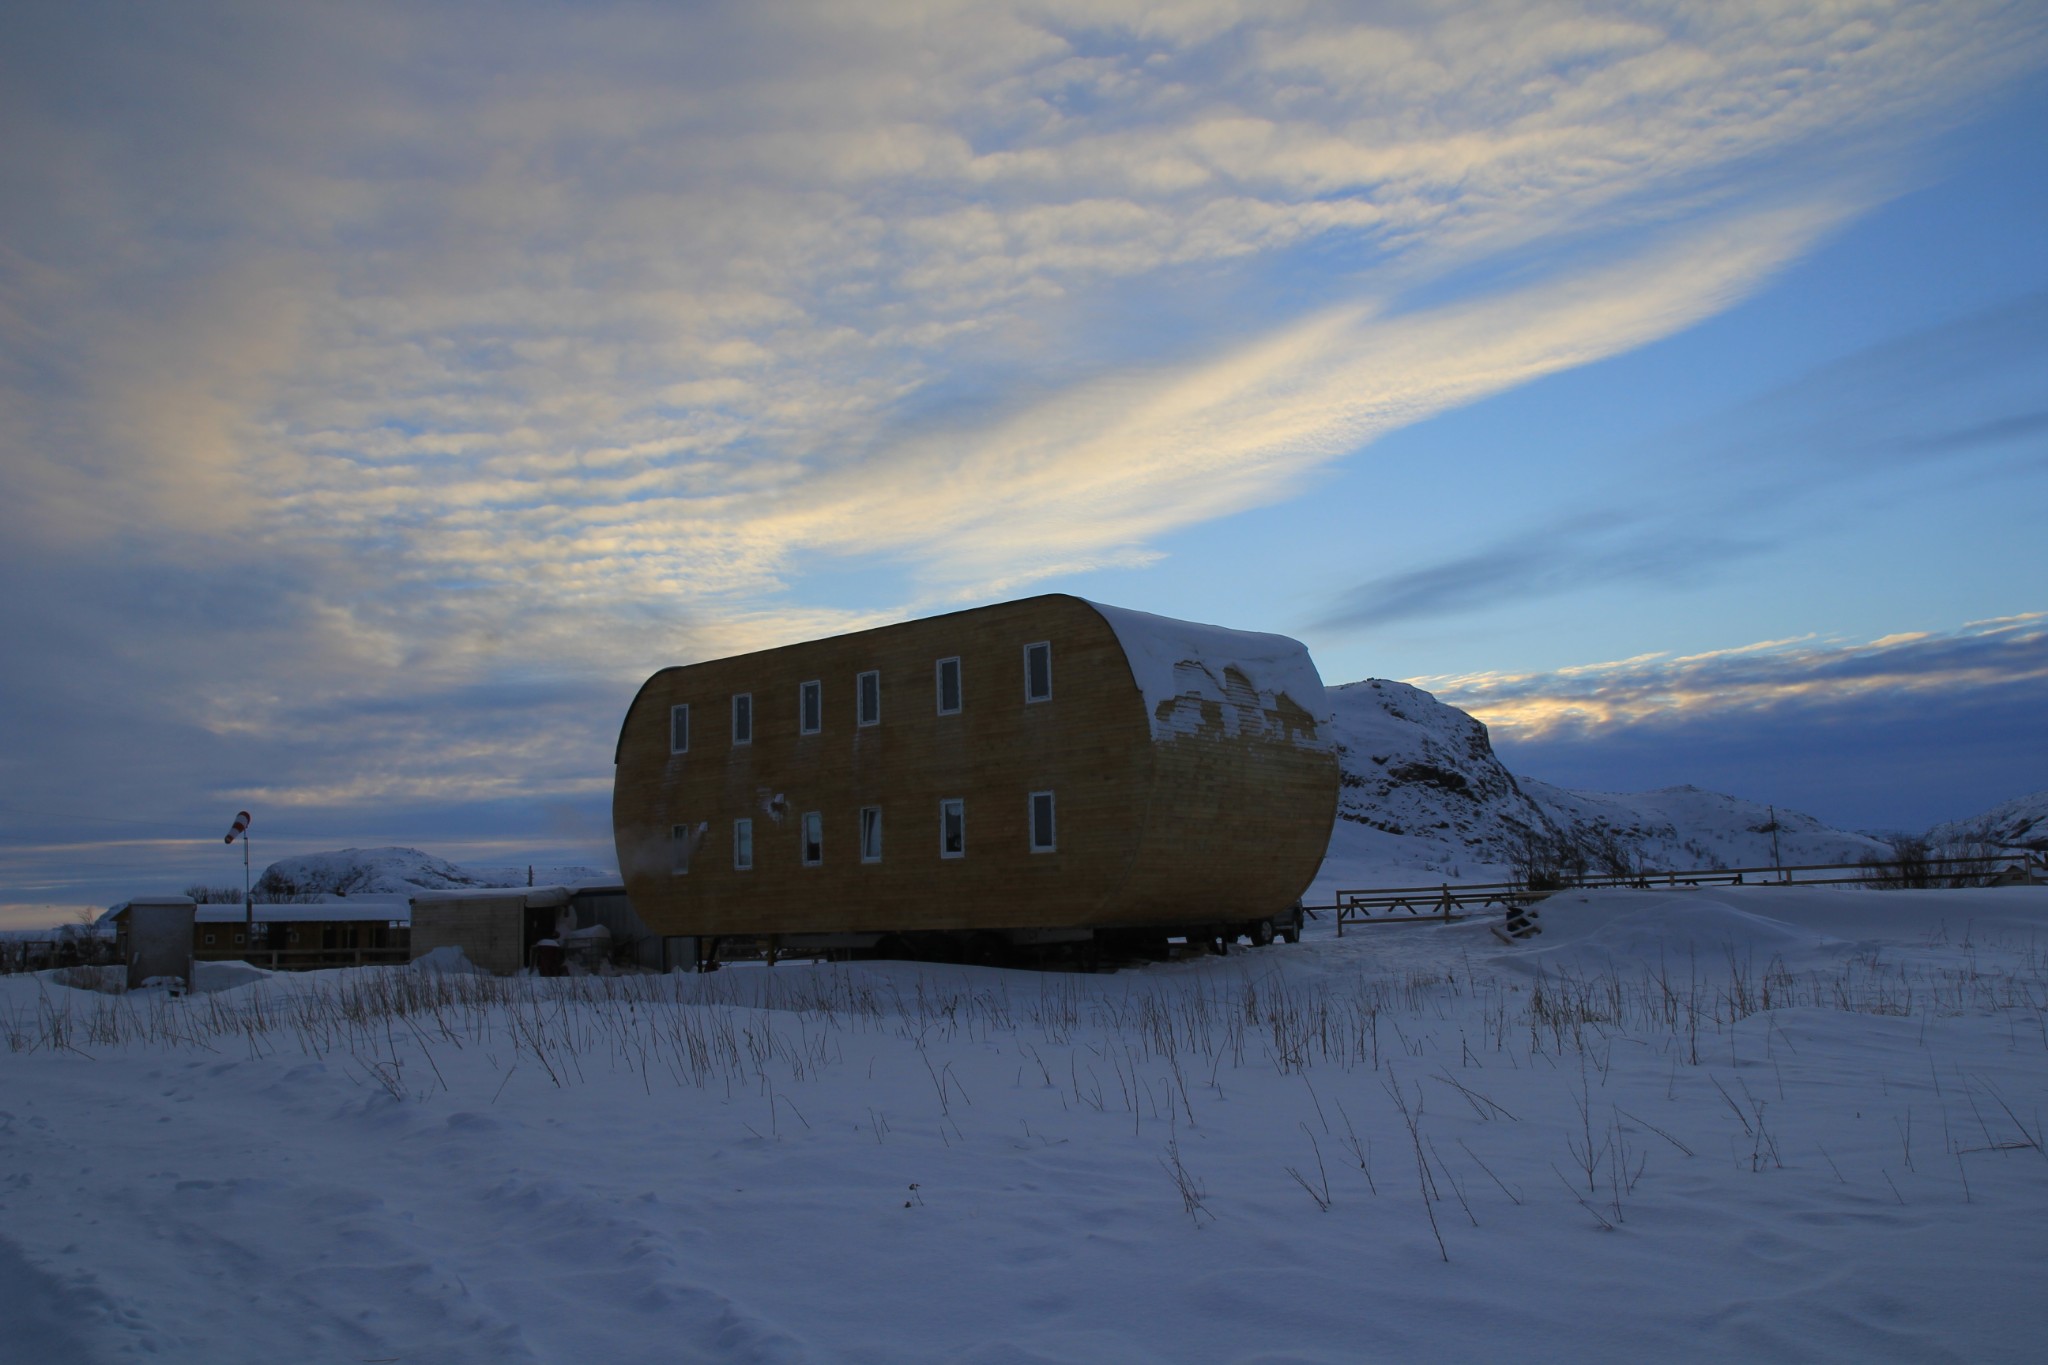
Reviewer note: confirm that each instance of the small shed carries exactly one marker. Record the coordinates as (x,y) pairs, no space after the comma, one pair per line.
(494,927)
(632,941)
(153,938)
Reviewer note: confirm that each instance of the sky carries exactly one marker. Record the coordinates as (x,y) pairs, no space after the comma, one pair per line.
(387,390)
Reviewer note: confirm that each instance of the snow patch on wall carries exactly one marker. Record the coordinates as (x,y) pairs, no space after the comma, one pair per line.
(1188,673)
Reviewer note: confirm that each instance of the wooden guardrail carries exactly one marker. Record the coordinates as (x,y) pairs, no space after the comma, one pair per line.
(1449,901)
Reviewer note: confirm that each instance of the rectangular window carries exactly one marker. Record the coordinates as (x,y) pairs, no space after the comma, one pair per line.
(949,687)
(814,838)
(679,842)
(209,940)
(871,834)
(743,718)
(1042,839)
(953,828)
(679,729)
(1038,671)
(742,845)
(810,708)
(870,698)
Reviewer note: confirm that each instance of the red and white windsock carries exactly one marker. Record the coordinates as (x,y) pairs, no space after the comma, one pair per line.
(241,826)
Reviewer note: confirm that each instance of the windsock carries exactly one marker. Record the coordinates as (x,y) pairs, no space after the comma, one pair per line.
(241,826)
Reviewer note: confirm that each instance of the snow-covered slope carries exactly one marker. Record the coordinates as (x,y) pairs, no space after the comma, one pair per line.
(1424,796)
(2022,820)
(401,871)
(1681,827)
(1650,1134)
(1421,785)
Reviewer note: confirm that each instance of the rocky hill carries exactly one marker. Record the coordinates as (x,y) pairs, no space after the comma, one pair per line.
(1420,784)
(1423,797)
(401,871)
(2021,822)
(1423,793)
(1680,827)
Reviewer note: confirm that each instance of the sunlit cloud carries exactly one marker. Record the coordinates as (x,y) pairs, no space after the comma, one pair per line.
(356,362)
(2008,655)
(1116,463)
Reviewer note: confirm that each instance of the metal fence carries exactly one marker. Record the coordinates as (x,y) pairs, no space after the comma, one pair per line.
(1448,901)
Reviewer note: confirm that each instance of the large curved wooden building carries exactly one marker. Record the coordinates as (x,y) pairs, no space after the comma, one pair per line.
(1036,766)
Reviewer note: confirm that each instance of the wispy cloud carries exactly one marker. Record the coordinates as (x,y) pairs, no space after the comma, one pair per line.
(1893,415)
(1576,552)
(378,356)
(2007,654)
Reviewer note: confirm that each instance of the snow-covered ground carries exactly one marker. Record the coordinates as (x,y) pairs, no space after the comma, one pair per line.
(1746,1123)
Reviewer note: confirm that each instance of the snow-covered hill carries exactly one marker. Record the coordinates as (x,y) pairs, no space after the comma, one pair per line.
(1421,785)
(1424,796)
(401,871)
(2022,821)
(1681,827)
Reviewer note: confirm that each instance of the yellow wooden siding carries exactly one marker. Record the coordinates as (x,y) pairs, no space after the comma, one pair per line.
(1127,852)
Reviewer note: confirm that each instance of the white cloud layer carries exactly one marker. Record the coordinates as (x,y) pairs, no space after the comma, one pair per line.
(477,341)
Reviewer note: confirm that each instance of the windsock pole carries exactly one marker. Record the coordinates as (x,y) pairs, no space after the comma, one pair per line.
(241,828)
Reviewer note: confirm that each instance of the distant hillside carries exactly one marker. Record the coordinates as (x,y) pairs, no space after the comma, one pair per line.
(2022,821)
(1423,795)
(1679,827)
(1423,790)
(401,871)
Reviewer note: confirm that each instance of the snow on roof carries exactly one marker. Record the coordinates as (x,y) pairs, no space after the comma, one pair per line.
(383,909)
(1172,661)
(378,909)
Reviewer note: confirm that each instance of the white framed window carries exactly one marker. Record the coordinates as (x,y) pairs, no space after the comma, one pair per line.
(679,842)
(1038,671)
(868,695)
(948,672)
(209,940)
(814,838)
(871,834)
(742,845)
(743,718)
(810,707)
(953,828)
(1043,838)
(679,729)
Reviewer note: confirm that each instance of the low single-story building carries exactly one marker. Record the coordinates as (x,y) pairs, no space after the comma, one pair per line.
(352,931)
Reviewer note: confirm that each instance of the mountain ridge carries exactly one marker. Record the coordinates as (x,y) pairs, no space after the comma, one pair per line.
(1421,792)
(1422,789)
